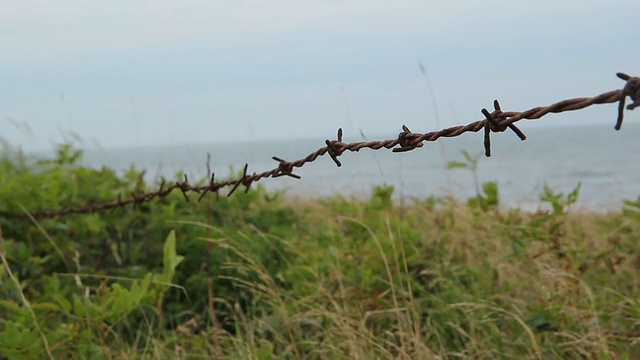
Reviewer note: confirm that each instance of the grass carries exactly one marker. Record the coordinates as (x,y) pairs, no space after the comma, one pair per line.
(439,284)
(329,278)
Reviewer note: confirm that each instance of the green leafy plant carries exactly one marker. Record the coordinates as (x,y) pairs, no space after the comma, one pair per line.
(469,163)
(487,195)
(258,275)
(558,201)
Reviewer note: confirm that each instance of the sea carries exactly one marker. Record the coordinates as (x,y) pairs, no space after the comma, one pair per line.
(603,161)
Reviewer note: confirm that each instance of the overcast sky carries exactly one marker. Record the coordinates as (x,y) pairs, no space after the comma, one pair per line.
(126,72)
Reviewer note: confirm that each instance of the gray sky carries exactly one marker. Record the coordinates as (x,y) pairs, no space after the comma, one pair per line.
(125,72)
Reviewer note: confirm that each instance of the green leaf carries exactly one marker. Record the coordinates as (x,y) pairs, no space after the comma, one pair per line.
(171,258)
(63,303)
(84,307)
(106,302)
(468,156)
(517,246)
(572,197)
(118,302)
(538,321)
(17,337)
(139,288)
(602,355)
(455,164)
(490,189)
(78,306)
(45,306)
(11,306)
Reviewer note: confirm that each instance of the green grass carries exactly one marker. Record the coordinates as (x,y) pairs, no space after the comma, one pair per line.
(331,278)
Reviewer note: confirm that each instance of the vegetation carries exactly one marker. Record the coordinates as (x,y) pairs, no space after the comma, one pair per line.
(255,276)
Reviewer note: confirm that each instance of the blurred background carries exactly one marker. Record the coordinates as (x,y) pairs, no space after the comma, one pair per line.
(162,83)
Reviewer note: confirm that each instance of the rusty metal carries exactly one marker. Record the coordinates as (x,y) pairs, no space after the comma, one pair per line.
(496,121)
(631,89)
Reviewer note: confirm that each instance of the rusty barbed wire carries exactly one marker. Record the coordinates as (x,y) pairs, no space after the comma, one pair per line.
(495,121)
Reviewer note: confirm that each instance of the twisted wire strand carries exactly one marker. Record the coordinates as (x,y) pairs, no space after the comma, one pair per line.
(496,121)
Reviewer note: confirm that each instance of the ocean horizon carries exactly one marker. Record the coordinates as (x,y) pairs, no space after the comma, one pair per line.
(601,159)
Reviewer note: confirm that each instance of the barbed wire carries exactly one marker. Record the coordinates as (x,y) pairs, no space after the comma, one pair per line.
(495,121)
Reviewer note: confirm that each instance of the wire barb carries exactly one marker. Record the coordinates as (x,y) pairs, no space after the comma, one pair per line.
(211,187)
(284,168)
(631,89)
(492,124)
(333,150)
(407,140)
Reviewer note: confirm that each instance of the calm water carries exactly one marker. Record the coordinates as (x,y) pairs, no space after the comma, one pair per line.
(603,160)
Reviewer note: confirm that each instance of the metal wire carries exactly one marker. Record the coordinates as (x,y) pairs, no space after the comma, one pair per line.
(496,121)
